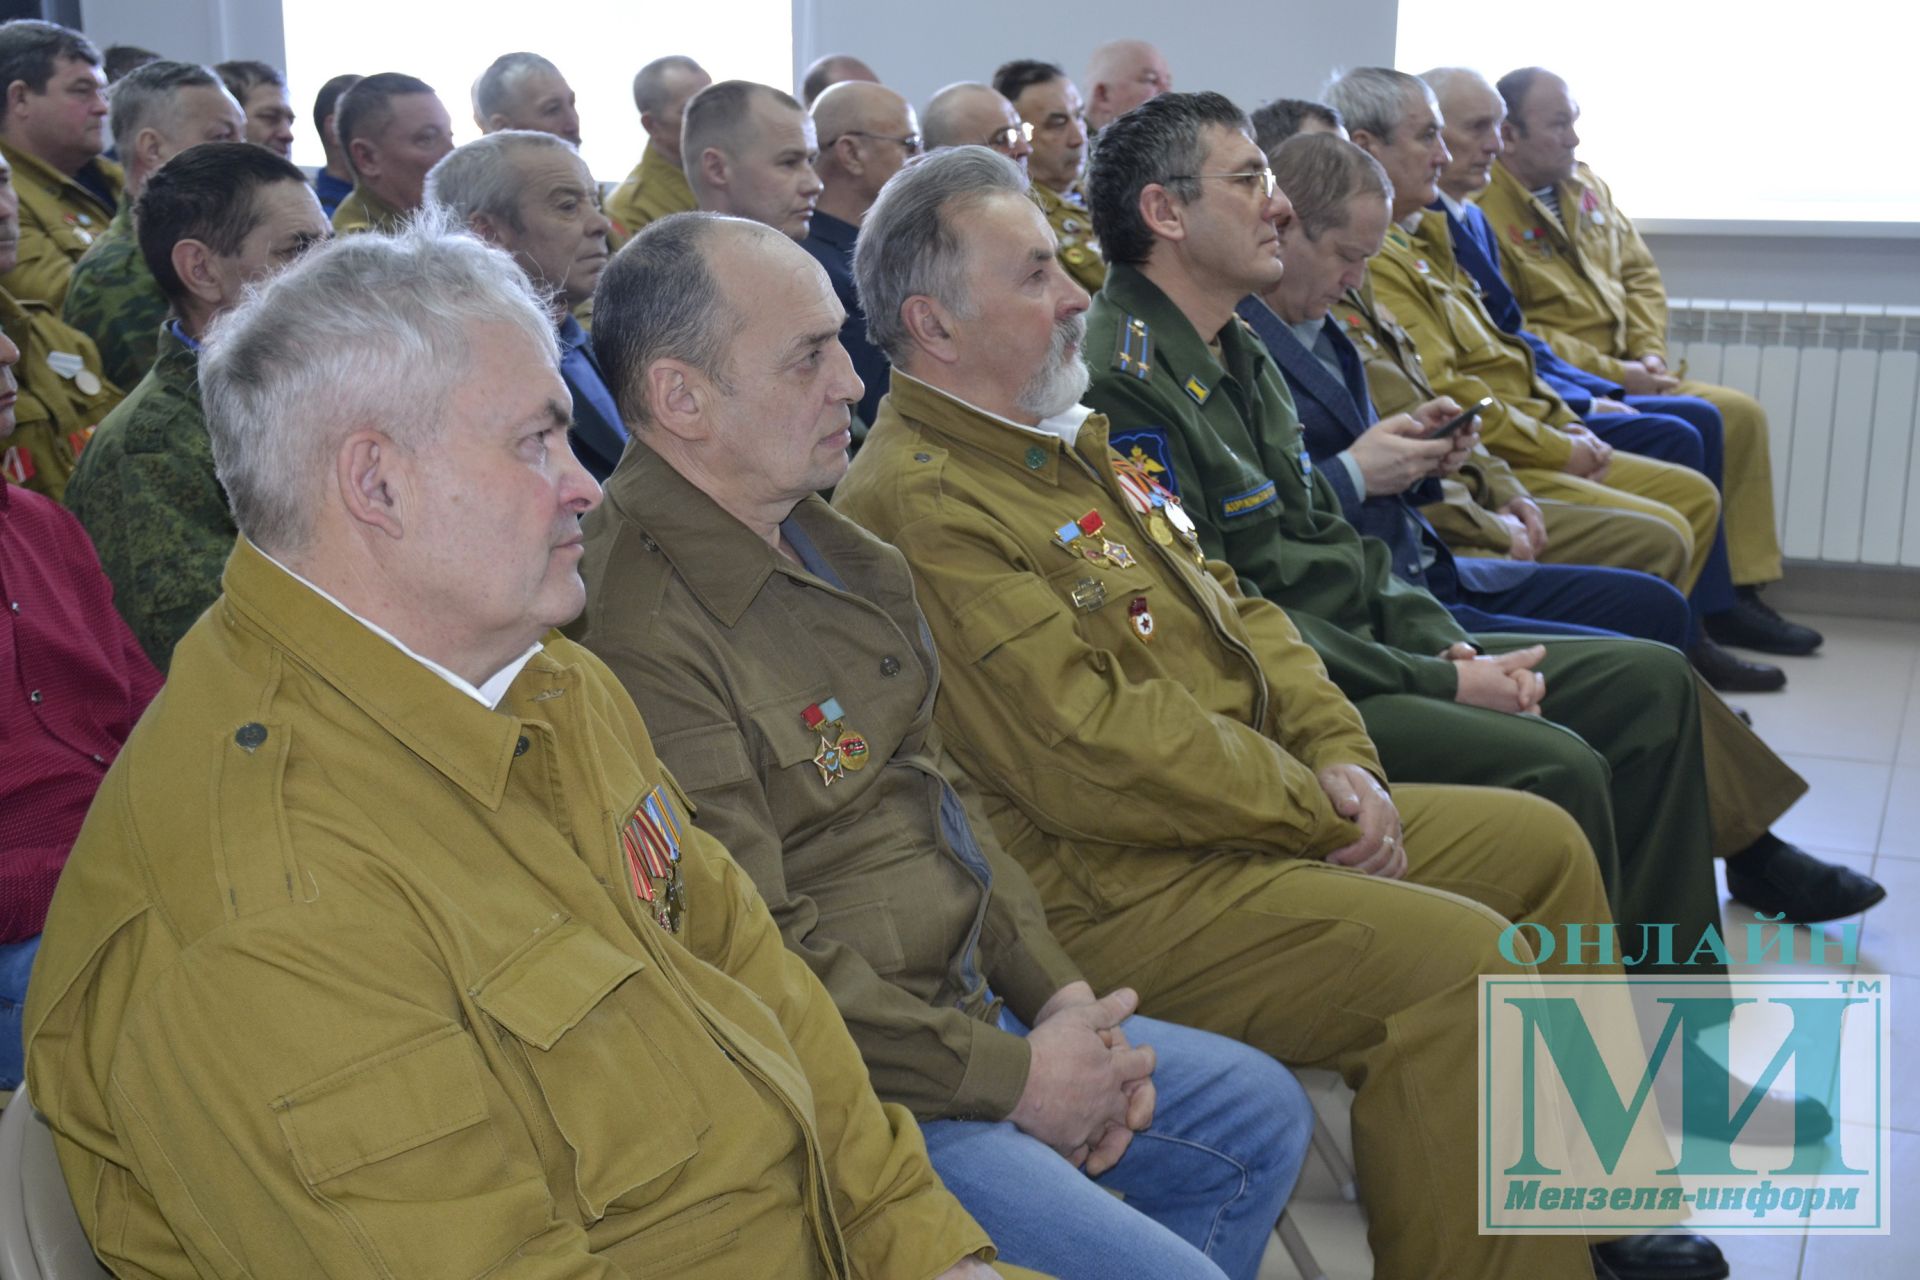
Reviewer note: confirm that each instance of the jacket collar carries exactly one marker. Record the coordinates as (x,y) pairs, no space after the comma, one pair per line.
(470,744)
(1032,451)
(176,364)
(53,179)
(1179,349)
(1302,367)
(832,231)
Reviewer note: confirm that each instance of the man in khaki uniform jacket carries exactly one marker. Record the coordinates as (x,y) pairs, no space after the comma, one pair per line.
(747,617)
(394,129)
(52,131)
(658,185)
(1200,808)
(1048,101)
(1589,285)
(63,393)
(393,949)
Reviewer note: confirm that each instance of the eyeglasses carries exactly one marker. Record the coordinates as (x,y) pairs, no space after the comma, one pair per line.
(911,141)
(1268,183)
(1014,133)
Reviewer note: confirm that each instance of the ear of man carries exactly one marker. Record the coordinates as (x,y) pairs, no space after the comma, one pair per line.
(365,474)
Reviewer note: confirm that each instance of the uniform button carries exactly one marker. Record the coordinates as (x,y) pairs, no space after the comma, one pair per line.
(1036,458)
(251,736)
(34,697)
(98,758)
(520,748)
(918,457)
(889,666)
(14,605)
(649,544)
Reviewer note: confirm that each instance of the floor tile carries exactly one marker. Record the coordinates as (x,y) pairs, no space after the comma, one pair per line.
(1900,828)
(1889,943)
(1842,808)
(1890,1257)
(1762,1257)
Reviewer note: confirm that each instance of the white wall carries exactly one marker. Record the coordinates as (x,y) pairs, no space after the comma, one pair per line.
(1250,50)
(206,31)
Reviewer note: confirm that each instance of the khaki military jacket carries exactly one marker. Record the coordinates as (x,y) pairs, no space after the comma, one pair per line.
(1114,711)
(655,188)
(157,513)
(114,299)
(1465,517)
(1464,353)
(1586,280)
(63,397)
(364,211)
(1079,250)
(348,976)
(725,644)
(59,221)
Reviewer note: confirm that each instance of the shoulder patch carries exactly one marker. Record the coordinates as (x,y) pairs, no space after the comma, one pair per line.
(1133,348)
(1149,449)
(1262,495)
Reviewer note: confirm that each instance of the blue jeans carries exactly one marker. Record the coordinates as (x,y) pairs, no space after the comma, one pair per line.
(1203,1186)
(16,966)
(1580,600)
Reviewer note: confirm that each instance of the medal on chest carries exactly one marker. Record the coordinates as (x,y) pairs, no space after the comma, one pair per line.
(651,838)
(1167,520)
(842,751)
(1086,538)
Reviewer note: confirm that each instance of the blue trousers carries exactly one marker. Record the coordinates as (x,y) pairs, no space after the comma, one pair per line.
(16,966)
(1580,600)
(1686,439)
(1202,1187)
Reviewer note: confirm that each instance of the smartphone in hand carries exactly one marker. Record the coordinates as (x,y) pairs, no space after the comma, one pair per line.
(1455,425)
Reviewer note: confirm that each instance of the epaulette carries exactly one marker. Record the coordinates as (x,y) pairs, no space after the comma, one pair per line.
(1133,350)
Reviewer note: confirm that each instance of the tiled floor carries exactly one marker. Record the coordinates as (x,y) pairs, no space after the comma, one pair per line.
(1849,721)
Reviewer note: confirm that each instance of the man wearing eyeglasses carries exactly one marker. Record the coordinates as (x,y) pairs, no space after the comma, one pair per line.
(867,132)
(971,114)
(1047,100)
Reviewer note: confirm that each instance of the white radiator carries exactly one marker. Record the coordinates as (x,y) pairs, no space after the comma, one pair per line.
(1841,385)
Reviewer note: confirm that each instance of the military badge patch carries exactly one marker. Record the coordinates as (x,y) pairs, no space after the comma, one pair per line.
(1260,496)
(1149,449)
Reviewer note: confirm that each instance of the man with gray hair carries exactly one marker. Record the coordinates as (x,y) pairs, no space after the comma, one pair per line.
(530,193)
(658,185)
(392,947)
(776,650)
(1199,807)
(53,105)
(829,70)
(525,91)
(1121,75)
(159,110)
(749,150)
(867,132)
(971,114)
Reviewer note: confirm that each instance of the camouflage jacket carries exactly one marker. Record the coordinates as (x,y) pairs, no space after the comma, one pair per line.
(114,299)
(63,396)
(147,494)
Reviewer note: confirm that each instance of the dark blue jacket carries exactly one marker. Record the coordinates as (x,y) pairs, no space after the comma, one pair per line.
(598,436)
(831,241)
(1334,412)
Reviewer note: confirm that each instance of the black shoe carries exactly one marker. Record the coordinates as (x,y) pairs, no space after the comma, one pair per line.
(1730,674)
(1778,1120)
(1660,1258)
(1775,877)
(1753,624)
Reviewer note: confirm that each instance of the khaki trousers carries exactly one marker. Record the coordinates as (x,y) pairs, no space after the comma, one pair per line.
(1746,483)
(1375,979)
(1680,496)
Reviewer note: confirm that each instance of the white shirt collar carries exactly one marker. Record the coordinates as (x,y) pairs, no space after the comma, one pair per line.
(1455,207)
(487,695)
(1064,425)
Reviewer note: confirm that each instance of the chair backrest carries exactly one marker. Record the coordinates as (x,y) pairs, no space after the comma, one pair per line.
(40,1235)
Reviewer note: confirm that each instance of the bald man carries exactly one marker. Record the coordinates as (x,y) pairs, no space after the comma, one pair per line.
(749,151)
(1121,75)
(832,69)
(971,114)
(658,186)
(866,132)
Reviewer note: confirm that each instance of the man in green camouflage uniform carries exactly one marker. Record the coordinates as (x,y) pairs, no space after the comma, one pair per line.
(219,218)
(159,110)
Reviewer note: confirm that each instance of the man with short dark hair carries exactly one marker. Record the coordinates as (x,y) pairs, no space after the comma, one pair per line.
(1121,75)
(1283,118)
(829,70)
(159,110)
(866,132)
(529,192)
(214,220)
(334,182)
(526,91)
(719,588)
(658,184)
(118,59)
(261,90)
(1049,103)
(393,128)
(53,109)
(71,687)
(749,150)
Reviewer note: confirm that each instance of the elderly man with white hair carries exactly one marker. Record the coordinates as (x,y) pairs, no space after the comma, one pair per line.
(530,193)
(390,947)
(1121,75)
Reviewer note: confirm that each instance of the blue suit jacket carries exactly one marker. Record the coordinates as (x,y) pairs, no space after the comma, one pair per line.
(598,436)
(1478,252)
(831,242)
(1334,412)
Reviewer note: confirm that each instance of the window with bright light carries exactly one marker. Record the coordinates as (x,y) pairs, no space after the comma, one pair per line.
(597,44)
(1702,109)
